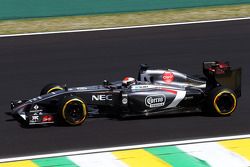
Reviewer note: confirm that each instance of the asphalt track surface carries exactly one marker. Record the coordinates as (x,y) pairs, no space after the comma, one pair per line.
(28,63)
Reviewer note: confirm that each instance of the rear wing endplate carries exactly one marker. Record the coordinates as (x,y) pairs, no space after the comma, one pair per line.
(221,73)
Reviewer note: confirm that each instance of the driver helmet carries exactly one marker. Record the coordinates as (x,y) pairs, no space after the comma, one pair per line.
(127,81)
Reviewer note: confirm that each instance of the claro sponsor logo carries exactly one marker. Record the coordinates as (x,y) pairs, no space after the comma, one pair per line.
(155,101)
(168,77)
(101,97)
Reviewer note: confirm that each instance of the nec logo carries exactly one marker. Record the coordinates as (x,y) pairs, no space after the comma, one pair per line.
(101,97)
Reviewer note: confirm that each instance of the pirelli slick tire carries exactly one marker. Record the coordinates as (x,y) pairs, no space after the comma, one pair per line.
(50,88)
(72,111)
(222,102)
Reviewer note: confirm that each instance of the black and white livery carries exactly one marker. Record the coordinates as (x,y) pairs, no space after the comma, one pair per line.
(155,91)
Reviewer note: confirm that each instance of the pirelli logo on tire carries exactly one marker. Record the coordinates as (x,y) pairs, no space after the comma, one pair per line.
(154,101)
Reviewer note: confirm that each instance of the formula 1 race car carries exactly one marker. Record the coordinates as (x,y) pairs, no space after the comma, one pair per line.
(155,91)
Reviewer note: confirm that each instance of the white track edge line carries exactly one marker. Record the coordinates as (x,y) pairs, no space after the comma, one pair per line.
(202,140)
(127,27)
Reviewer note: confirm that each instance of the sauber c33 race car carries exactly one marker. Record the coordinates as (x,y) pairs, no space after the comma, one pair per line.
(155,91)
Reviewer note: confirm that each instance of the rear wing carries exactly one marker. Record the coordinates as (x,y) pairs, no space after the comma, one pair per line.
(221,73)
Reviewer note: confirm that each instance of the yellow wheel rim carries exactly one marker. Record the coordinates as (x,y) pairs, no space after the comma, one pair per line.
(218,109)
(54,89)
(84,111)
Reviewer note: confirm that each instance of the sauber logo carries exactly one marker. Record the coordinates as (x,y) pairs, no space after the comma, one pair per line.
(36,107)
(168,77)
(155,101)
(101,97)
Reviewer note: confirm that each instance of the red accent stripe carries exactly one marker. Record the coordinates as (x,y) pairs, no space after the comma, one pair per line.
(170,91)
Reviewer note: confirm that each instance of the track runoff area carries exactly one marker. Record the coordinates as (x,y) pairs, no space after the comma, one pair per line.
(229,151)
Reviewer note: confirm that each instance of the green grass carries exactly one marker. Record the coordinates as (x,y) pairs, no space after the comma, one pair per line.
(125,19)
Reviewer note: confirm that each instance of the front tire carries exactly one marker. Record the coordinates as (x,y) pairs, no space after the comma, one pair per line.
(72,111)
(222,101)
(50,88)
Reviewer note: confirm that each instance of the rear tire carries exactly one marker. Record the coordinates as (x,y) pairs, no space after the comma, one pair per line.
(51,88)
(72,111)
(222,101)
